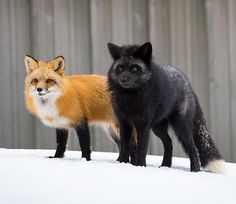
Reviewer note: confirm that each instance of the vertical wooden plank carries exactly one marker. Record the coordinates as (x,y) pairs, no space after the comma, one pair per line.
(80,41)
(159,24)
(43,48)
(180,35)
(42,29)
(61,31)
(101,34)
(199,52)
(6,131)
(122,22)
(22,122)
(232,75)
(79,46)
(159,21)
(217,23)
(140,26)
(129,22)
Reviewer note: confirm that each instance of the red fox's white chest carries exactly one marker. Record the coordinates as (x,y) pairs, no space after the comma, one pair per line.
(48,113)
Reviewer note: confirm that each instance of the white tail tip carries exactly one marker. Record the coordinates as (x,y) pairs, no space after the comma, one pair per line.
(216,166)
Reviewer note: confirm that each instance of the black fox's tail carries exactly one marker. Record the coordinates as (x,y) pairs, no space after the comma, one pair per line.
(208,153)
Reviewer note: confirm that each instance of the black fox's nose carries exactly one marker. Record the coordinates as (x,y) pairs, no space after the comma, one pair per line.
(39,90)
(123,79)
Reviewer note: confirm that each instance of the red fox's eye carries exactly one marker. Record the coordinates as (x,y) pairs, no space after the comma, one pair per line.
(49,81)
(34,81)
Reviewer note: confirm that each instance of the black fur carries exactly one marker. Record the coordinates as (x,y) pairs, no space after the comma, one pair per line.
(83,134)
(82,131)
(84,138)
(62,136)
(149,96)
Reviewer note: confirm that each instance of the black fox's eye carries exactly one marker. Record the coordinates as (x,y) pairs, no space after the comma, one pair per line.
(34,81)
(48,81)
(134,68)
(119,68)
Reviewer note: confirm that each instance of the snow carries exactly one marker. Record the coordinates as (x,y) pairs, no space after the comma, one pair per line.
(29,177)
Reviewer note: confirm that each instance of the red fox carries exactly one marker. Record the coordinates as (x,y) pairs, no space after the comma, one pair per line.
(66,102)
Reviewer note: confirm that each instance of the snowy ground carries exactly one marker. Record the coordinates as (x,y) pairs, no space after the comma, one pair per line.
(28,177)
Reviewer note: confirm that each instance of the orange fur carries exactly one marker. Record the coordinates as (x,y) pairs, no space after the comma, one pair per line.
(79,98)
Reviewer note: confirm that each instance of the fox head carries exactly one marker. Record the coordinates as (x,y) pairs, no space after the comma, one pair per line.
(131,67)
(44,79)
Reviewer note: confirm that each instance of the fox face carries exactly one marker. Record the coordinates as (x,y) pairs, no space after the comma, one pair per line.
(130,69)
(44,79)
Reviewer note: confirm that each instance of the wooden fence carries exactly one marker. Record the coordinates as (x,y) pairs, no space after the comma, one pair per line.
(197,36)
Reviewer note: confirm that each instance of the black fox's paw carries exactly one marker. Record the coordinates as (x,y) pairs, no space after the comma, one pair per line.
(141,163)
(118,159)
(133,161)
(122,159)
(166,164)
(195,166)
(55,156)
(87,158)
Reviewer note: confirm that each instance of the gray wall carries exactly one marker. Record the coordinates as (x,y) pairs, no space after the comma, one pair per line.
(197,36)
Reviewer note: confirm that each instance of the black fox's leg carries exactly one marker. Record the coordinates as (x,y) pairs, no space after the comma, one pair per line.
(133,145)
(143,139)
(125,139)
(161,131)
(183,127)
(133,152)
(84,139)
(62,136)
(133,148)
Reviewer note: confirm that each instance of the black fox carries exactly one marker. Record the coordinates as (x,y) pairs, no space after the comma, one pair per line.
(149,96)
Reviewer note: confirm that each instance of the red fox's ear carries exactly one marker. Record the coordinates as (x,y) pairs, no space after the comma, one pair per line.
(30,63)
(59,64)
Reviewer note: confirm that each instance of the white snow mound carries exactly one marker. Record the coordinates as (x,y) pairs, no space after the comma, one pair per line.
(29,177)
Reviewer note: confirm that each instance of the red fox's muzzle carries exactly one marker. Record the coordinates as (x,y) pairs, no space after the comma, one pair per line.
(43,88)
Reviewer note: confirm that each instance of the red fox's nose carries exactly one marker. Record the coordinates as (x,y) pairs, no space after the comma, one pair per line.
(39,90)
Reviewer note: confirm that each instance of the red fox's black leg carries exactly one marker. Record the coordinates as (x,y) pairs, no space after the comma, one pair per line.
(84,139)
(62,136)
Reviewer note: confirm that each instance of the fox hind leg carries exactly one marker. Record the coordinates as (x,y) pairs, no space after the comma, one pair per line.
(161,131)
(82,131)
(183,127)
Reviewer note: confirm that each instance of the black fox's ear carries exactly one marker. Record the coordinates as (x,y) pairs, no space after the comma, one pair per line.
(59,64)
(144,52)
(30,63)
(114,50)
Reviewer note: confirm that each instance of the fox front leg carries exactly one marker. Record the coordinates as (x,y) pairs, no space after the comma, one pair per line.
(125,139)
(62,136)
(143,139)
